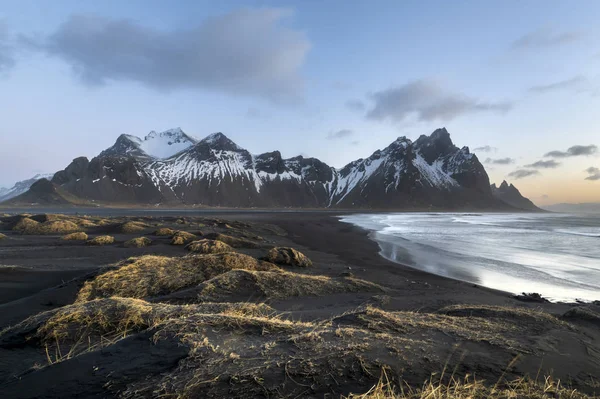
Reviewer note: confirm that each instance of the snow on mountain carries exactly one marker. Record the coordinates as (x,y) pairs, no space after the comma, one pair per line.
(166,144)
(172,167)
(153,146)
(22,186)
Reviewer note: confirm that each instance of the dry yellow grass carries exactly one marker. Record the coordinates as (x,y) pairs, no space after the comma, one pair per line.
(138,242)
(253,283)
(471,388)
(182,237)
(148,276)
(503,312)
(32,227)
(497,332)
(101,240)
(25,224)
(164,231)
(131,227)
(288,256)
(2,236)
(234,242)
(79,236)
(207,246)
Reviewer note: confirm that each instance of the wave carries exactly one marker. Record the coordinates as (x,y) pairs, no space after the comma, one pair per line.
(576,233)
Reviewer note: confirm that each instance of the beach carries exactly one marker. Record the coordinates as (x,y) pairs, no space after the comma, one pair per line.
(41,273)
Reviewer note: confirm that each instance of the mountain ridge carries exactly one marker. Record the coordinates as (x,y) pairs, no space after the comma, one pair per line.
(429,173)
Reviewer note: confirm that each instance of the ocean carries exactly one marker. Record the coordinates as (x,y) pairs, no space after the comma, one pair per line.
(555,255)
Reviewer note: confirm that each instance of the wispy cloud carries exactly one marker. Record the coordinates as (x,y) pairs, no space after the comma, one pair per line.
(549,164)
(248,51)
(577,83)
(575,151)
(500,161)
(356,105)
(340,134)
(485,148)
(546,38)
(594,173)
(522,173)
(429,101)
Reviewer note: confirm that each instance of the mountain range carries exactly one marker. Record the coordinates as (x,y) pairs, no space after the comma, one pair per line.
(172,168)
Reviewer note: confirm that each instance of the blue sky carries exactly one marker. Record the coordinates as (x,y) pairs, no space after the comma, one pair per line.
(335,80)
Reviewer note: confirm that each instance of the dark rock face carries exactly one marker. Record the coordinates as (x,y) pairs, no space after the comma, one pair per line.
(511,195)
(42,192)
(430,173)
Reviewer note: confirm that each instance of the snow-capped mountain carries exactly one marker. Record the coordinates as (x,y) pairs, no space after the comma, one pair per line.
(153,146)
(22,186)
(173,168)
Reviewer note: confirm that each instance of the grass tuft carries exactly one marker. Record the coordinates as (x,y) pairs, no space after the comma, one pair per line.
(101,240)
(288,256)
(182,237)
(79,236)
(206,246)
(149,275)
(471,388)
(138,242)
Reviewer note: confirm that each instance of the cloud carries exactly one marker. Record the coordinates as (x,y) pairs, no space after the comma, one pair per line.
(521,173)
(340,134)
(594,173)
(576,150)
(577,83)
(247,52)
(550,164)
(546,38)
(356,105)
(7,60)
(500,161)
(545,196)
(485,148)
(429,102)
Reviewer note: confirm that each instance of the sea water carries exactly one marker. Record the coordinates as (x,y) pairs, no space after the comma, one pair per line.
(555,255)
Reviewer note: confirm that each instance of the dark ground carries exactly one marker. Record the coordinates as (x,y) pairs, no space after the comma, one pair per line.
(39,273)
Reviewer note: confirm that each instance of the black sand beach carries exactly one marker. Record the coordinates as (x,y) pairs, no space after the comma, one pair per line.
(42,273)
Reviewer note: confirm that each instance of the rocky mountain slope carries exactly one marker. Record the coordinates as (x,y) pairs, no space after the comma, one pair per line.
(22,186)
(172,168)
(511,195)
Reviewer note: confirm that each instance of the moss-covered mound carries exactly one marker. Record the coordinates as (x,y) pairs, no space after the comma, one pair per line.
(79,236)
(207,246)
(138,242)
(101,240)
(288,256)
(148,276)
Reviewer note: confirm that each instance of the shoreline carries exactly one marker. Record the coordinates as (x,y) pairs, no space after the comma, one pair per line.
(418,289)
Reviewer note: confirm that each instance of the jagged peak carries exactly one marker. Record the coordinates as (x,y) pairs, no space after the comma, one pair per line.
(174,132)
(219,141)
(504,184)
(128,138)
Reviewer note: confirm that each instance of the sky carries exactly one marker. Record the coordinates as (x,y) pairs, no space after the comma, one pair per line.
(516,82)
